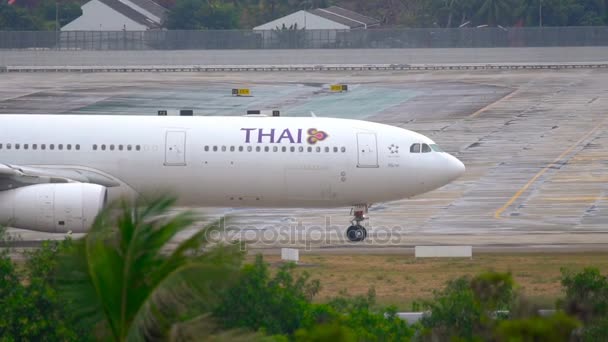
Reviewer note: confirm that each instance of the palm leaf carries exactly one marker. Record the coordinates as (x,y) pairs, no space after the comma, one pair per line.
(123,275)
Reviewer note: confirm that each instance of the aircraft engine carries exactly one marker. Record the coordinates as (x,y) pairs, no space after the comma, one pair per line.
(52,208)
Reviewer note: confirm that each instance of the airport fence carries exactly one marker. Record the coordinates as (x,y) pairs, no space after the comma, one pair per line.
(307,39)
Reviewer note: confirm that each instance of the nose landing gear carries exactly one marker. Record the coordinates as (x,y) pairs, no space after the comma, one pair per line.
(356,232)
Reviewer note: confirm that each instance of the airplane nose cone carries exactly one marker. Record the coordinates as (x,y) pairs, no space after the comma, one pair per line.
(455,168)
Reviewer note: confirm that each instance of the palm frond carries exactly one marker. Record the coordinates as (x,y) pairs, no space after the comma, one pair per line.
(122,273)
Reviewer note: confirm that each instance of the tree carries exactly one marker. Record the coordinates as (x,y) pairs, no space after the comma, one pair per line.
(16,18)
(555,328)
(200,14)
(183,16)
(30,306)
(219,16)
(496,12)
(123,278)
(277,305)
(587,299)
(465,308)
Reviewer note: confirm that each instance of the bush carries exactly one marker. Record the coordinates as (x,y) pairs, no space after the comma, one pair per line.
(466,308)
(587,299)
(555,328)
(283,305)
(277,305)
(30,307)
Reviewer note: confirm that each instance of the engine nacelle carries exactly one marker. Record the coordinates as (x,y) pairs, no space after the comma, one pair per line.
(52,208)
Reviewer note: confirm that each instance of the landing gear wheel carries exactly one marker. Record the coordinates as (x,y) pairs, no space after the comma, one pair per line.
(356,233)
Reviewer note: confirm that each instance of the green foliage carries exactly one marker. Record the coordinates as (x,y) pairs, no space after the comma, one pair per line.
(281,304)
(277,305)
(555,328)
(200,14)
(30,307)
(123,278)
(586,294)
(587,299)
(325,332)
(466,307)
(16,18)
(66,11)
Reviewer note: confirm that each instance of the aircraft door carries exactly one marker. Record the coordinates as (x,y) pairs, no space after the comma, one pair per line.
(367,150)
(175,148)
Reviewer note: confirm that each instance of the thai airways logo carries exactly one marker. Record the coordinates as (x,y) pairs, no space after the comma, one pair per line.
(315,136)
(282,136)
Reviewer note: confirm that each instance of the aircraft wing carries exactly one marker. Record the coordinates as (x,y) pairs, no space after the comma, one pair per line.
(15,176)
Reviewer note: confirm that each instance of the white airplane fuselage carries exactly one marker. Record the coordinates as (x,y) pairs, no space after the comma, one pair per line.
(234,161)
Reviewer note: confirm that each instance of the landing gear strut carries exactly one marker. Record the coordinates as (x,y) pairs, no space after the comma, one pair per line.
(356,232)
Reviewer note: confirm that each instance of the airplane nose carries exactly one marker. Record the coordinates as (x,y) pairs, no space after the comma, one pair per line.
(455,168)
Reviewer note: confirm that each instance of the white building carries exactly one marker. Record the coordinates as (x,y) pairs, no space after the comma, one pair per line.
(332,18)
(118,15)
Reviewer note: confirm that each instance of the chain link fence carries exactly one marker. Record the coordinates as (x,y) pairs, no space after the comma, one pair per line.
(307,39)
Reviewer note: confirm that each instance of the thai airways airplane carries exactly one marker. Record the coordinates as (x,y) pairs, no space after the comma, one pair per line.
(58,171)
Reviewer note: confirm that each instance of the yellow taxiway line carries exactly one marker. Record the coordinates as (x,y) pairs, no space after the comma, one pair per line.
(498,213)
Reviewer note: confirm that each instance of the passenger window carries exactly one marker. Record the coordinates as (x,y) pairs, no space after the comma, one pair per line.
(223,148)
(0,146)
(51,146)
(69,146)
(26,146)
(258,148)
(231,148)
(214,148)
(301,149)
(275,149)
(43,147)
(284,148)
(77,147)
(426,148)
(415,148)
(343,149)
(137,147)
(309,148)
(17,146)
(111,147)
(60,147)
(266,148)
(8,146)
(206,148)
(318,148)
(292,148)
(335,149)
(326,149)
(120,147)
(249,148)
(94,147)
(129,147)
(34,146)
(240,148)
(103,147)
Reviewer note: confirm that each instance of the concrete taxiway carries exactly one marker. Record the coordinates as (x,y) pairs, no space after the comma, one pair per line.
(534,143)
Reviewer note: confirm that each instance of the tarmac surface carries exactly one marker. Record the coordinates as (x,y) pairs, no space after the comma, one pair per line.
(534,143)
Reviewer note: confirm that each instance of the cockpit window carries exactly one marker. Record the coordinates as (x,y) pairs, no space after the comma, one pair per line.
(415,148)
(426,148)
(436,148)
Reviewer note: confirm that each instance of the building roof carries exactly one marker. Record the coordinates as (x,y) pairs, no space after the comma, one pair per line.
(345,17)
(151,7)
(135,15)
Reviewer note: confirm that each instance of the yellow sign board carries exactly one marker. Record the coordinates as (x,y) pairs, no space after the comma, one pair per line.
(241,92)
(338,87)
